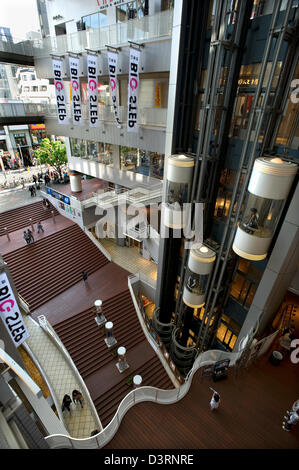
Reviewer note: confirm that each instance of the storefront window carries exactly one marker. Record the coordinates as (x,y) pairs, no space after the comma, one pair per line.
(96,20)
(245,282)
(227,332)
(20,139)
(98,151)
(142,161)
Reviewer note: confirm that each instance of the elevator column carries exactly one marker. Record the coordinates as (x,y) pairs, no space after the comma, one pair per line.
(177,194)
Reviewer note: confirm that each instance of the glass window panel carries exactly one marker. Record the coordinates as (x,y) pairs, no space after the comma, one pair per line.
(261,216)
(177,192)
(196,283)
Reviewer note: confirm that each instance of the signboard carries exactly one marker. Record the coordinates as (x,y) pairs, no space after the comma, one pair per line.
(103,4)
(112,67)
(221,365)
(34,127)
(10,312)
(75,88)
(60,91)
(59,196)
(158,95)
(133,90)
(92,77)
(207,371)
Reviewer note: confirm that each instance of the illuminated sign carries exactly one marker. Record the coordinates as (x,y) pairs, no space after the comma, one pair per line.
(248,81)
(34,127)
(59,196)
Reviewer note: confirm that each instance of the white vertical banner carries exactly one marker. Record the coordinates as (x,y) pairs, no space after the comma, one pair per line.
(60,91)
(133,90)
(75,87)
(92,77)
(112,66)
(10,312)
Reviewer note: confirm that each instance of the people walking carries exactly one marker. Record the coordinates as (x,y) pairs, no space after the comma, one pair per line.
(84,276)
(31,189)
(291,418)
(215,400)
(30,236)
(34,179)
(66,403)
(39,227)
(77,397)
(25,236)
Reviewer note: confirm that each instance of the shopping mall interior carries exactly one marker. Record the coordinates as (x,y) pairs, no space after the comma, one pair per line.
(150,267)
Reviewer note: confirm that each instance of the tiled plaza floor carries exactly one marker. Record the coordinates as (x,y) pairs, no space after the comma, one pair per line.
(130,259)
(80,422)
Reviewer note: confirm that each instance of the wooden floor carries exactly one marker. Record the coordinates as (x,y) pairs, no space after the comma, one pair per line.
(249,417)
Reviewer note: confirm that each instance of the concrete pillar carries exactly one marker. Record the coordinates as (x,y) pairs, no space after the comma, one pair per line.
(116,156)
(75,181)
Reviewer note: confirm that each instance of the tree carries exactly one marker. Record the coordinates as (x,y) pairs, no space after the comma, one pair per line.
(52,153)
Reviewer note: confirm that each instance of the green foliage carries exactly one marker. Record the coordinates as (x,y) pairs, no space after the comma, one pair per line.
(51,153)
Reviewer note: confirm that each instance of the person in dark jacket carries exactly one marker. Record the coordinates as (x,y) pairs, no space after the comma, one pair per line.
(66,403)
(84,276)
(77,397)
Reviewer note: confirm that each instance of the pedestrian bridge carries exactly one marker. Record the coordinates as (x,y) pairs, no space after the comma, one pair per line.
(21,113)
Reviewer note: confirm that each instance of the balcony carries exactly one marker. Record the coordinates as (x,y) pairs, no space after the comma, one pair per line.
(154,117)
(140,29)
(137,30)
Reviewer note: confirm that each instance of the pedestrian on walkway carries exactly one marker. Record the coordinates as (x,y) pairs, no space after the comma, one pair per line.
(31,191)
(291,418)
(39,227)
(215,400)
(77,397)
(34,179)
(25,236)
(66,403)
(30,236)
(84,276)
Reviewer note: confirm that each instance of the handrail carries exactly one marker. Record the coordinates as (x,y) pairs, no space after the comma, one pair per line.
(139,395)
(98,244)
(47,327)
(47,381)
(142,394)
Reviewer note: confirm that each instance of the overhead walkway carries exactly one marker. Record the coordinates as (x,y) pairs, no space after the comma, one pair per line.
(18,113)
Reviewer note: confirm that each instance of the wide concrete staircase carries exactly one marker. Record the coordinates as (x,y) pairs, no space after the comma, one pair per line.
(49,266)
(85,343)
(18,218)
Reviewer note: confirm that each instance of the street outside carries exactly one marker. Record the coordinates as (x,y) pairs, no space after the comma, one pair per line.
(17,196)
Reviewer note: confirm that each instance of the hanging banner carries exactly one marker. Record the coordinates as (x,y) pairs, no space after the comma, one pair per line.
(75,88)
(158,95)
(60,92)
(10,312)
(92,76)
(133,91)
(112,66)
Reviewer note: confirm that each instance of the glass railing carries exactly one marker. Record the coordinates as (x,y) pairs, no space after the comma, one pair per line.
(139,29)
(22,109)
(147,116)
